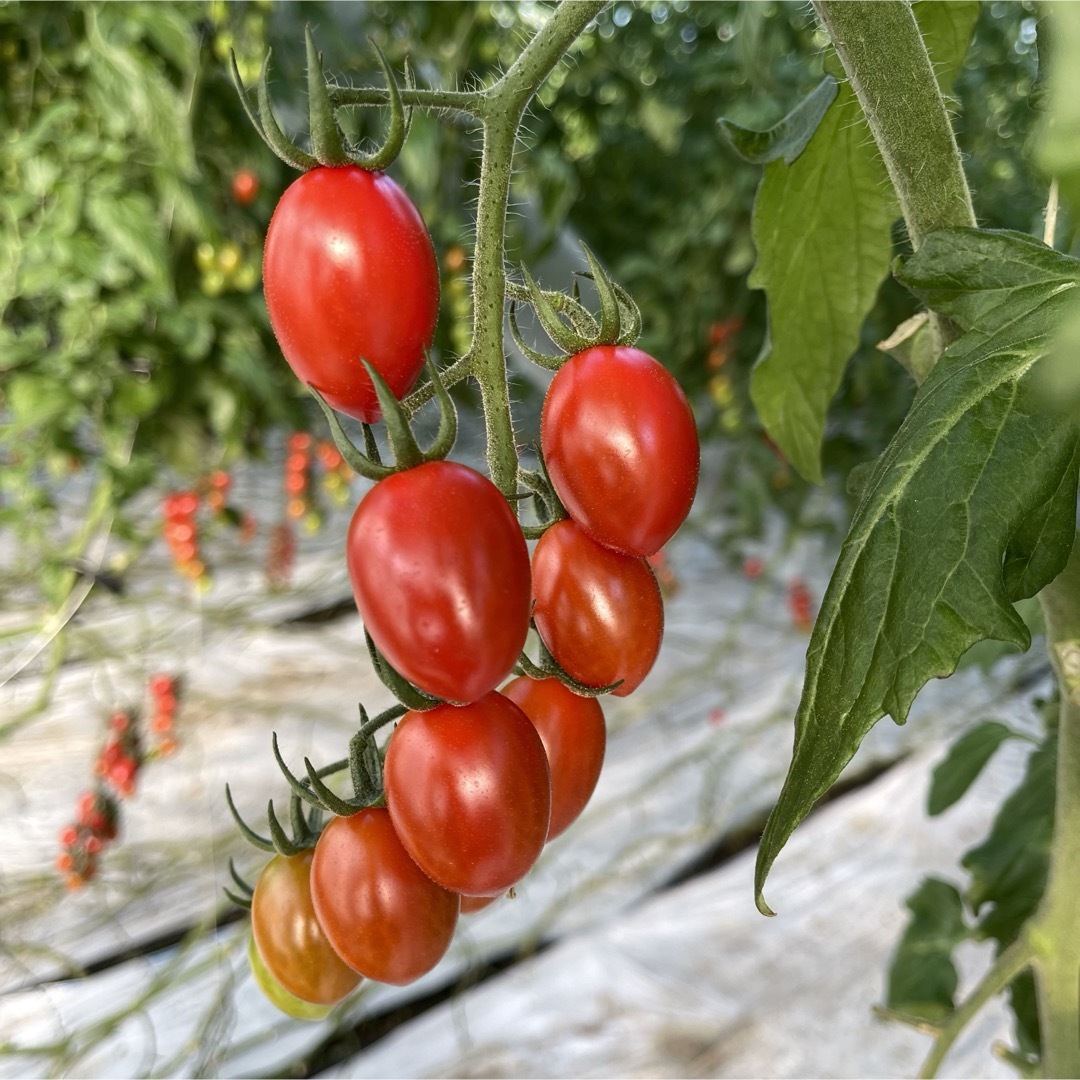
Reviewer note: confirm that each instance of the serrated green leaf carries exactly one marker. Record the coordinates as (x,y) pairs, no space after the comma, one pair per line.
(789,137)
(963,763)
(922,977)
(971,507)
(823,231)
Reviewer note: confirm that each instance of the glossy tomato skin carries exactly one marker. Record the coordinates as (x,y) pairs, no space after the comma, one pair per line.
(440,572)
(469,792)
(621,447)
(574,735)
(349,272)
(598,611)
(289,939)
(383,915)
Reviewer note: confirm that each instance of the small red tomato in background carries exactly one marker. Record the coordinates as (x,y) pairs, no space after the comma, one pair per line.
(383,915)
(349,272)
(245,187)
(287,933)
(469,791)
(620,445)
(440,572)
(598,611)
(572,730)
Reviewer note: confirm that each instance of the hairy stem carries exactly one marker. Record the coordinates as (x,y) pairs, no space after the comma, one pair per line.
(1055,929)
(505,105)
(885,57)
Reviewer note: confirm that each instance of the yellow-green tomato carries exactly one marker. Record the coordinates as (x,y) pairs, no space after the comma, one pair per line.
(278,996)
(288,935)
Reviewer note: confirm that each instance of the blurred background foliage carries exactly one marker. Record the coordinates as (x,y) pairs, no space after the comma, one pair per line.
(134,344)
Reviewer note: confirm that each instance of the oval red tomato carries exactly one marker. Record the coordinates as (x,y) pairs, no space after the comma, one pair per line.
(621,447)
(440,573)
(383,915)
(598,611)
(288,936)
(469,792)
(349,272)
(572,730)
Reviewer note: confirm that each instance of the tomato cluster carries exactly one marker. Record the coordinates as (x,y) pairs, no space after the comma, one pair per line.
(117,766)
(165,692)
(95,825)
(482,768)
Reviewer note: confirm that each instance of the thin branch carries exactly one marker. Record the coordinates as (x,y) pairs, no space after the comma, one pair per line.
(1004,969)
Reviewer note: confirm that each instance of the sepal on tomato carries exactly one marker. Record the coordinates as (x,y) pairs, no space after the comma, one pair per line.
(410,696)
(327,144)
(547,667)
(305,829)
(549,508)
(365,771)
(566,321)
(407,451)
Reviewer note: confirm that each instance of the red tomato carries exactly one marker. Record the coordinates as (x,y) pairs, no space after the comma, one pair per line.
(349,272)
(574,736)
(598,611)
(383,915)
(469,792)
(245,187)
(287,934)
(440,572)
(621,447)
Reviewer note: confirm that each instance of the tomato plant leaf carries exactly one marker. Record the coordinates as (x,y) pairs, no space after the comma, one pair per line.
(789,137)
(922,977)
(823,231)
(918,582)
(963,763)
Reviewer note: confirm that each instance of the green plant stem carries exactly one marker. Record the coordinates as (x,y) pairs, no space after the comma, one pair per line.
(1005,968)
(885,57)
(1055,929)
(506,102)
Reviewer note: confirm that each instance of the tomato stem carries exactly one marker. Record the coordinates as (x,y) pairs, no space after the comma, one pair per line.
(504,107)
(885,57)
(1055,929)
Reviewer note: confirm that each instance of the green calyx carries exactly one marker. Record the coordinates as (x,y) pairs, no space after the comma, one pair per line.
(304,828)
(571,327)
(410,696)
(365,772)
(547,667)
(329,146)
(407,452)
(548,507)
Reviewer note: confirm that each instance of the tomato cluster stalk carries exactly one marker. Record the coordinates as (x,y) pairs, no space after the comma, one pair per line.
(455,806)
